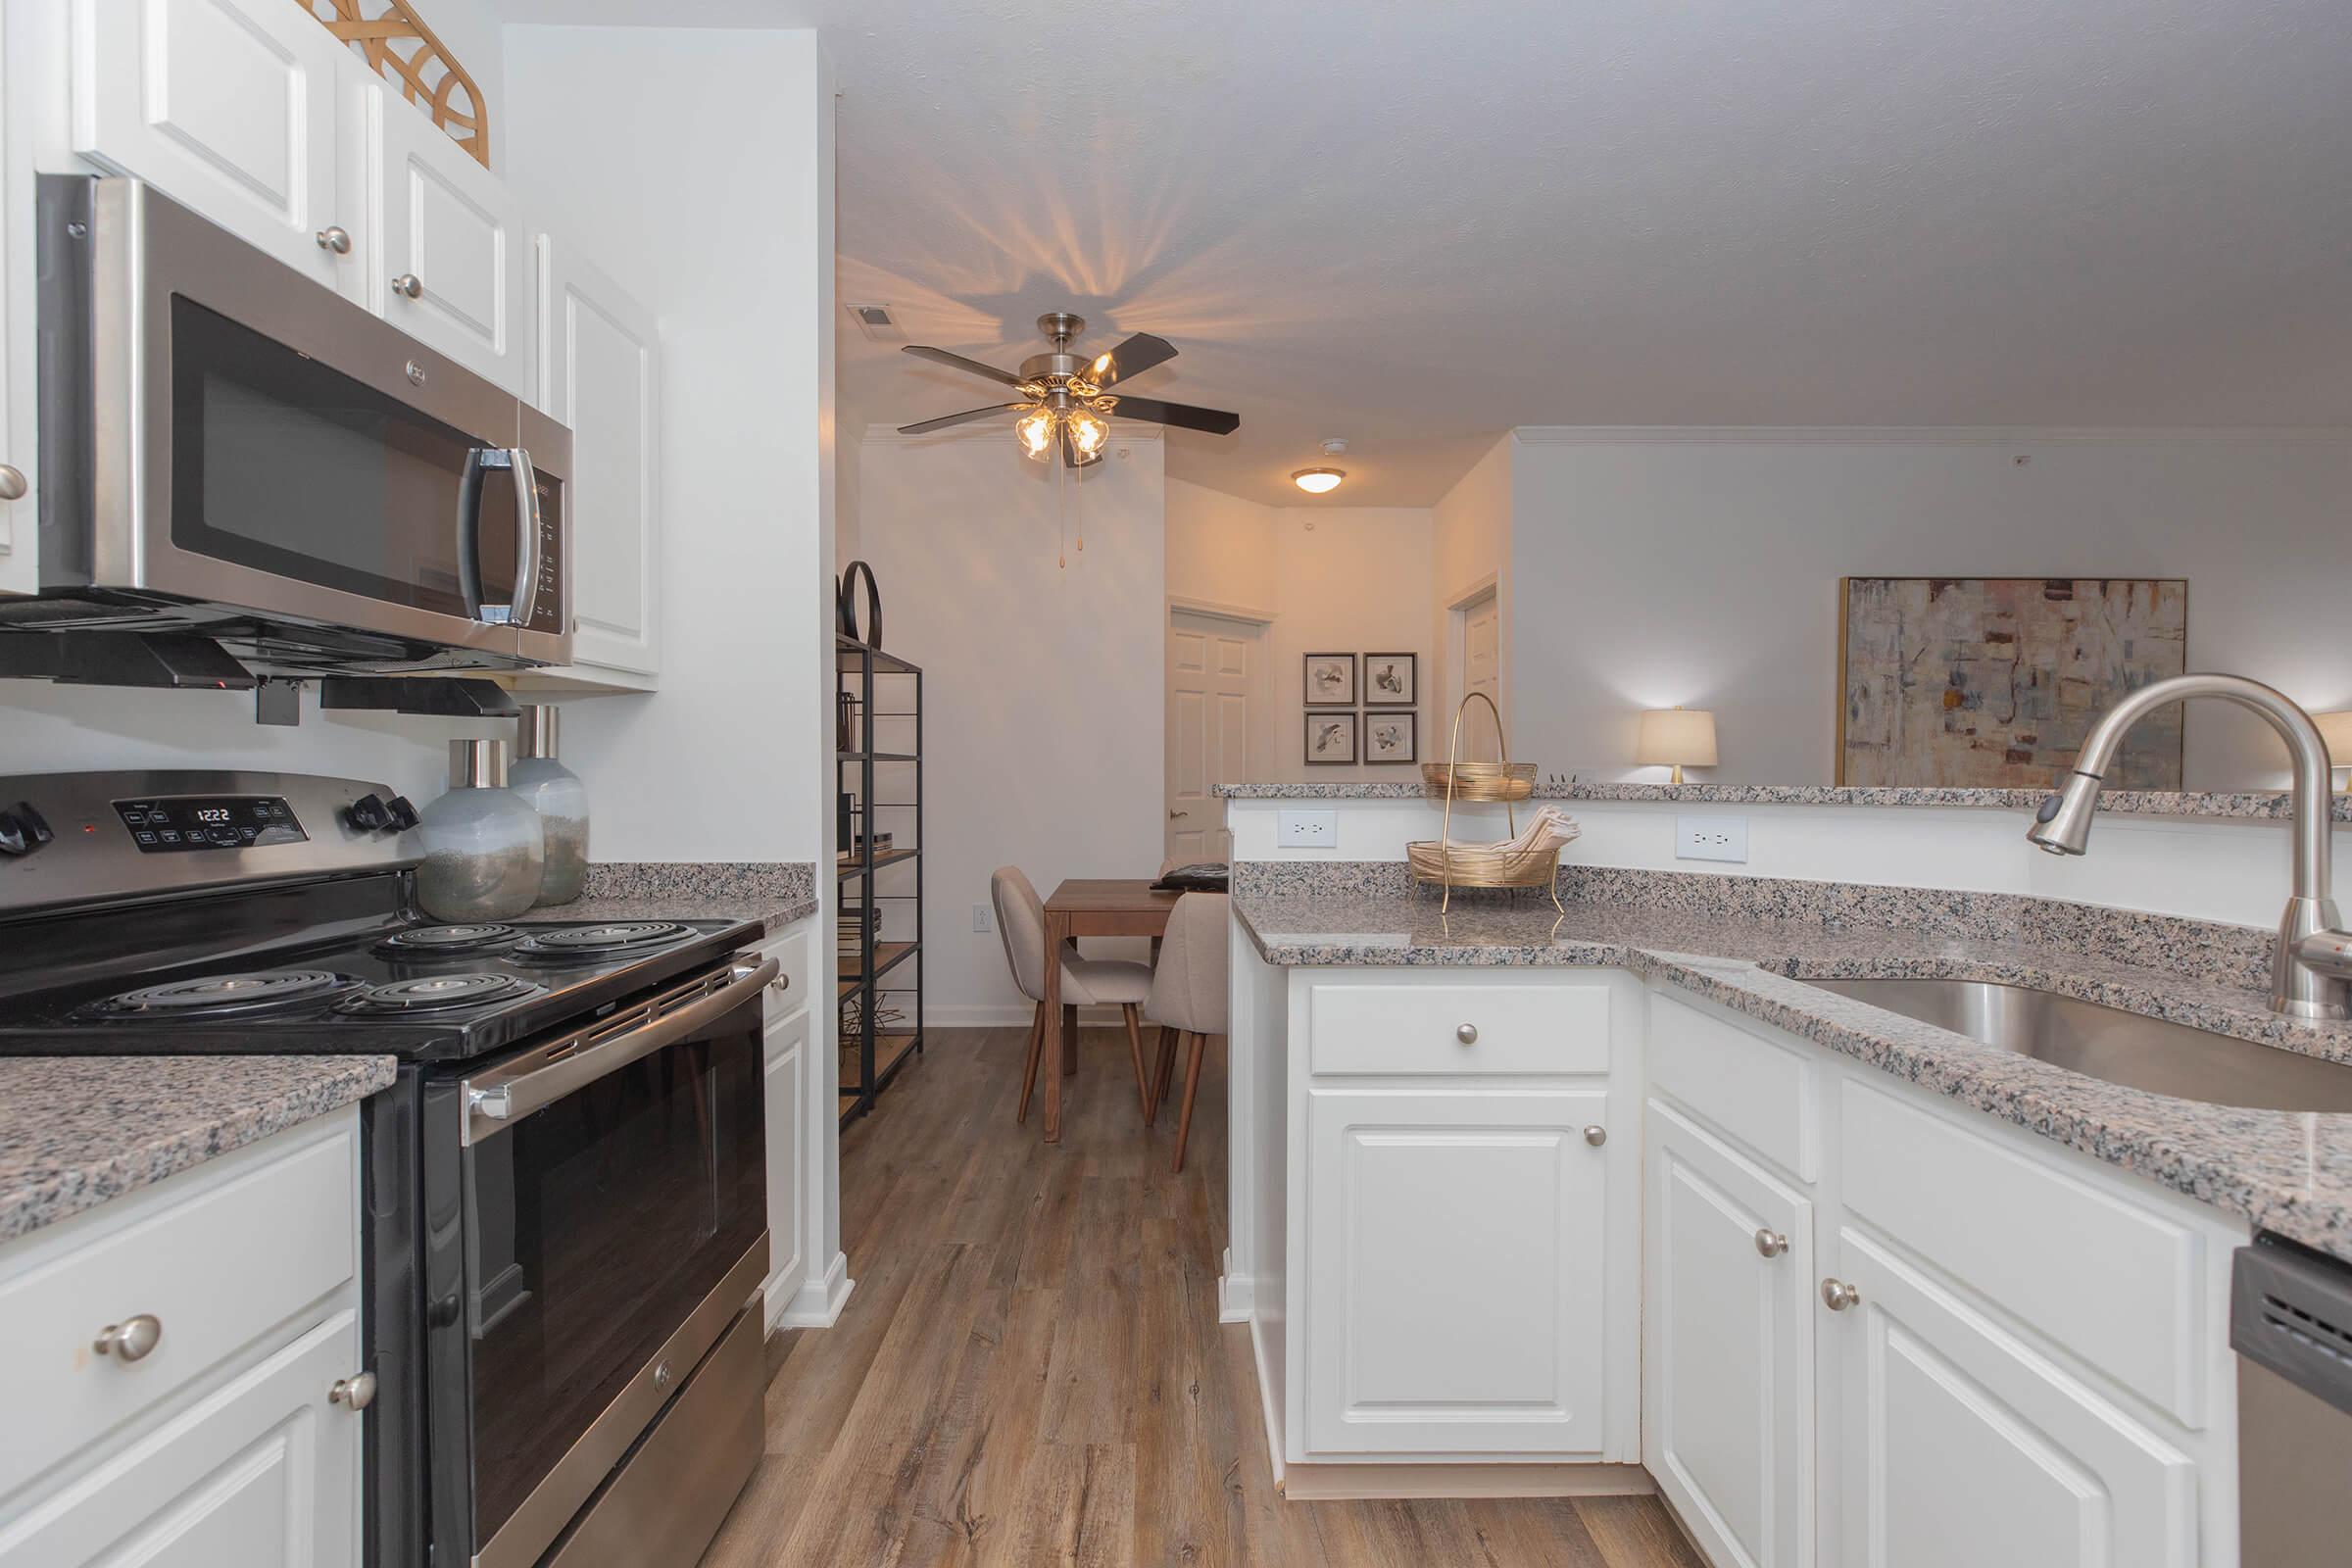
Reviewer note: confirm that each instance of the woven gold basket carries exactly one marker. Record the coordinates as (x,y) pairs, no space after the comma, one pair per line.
(1469,865)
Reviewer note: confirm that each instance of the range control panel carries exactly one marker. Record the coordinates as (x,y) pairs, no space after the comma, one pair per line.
(210,822)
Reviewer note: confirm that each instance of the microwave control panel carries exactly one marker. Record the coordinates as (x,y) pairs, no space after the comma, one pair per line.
(210,822)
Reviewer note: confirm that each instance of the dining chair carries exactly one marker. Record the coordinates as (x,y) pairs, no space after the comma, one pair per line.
(1085,980)
(1186,999)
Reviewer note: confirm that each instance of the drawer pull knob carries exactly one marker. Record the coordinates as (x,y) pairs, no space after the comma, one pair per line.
(408,285)
(1838,1295)
(359,1393)
(12,482)
(1771,1243)
(335,239)
(133,1339)
(1466,1033)
(1596,1135)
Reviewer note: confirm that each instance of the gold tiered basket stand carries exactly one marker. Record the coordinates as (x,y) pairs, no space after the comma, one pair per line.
(1476,865)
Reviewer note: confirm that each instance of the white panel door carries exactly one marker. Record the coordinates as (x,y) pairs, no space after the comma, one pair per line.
(597,376)
(228,109)
(1482,658)
(786,1055)
(1962,1445)
(1727,1424)
(263,1473)
(1214,675)
(455,265)
(1454,1272)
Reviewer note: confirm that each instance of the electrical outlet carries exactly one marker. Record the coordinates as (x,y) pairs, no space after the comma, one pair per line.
(984,918)
(1306,830)
(1710,838)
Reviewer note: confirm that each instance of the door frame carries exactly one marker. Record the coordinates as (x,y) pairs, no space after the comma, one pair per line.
(1261,626)
(1458,606)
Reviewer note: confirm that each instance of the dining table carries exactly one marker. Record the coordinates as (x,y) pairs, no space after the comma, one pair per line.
(1088,906)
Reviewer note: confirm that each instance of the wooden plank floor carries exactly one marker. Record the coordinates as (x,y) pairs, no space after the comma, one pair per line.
(1031,1369)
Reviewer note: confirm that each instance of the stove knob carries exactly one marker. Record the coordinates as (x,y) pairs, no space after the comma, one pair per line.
(369,814)
(22,829)
(404,812)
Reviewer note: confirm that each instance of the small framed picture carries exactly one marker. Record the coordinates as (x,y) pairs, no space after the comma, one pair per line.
(1390,738)
(1331,739)
(1331,680)
(1389,682)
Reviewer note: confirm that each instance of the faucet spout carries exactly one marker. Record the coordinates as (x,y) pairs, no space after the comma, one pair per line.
(2309,967)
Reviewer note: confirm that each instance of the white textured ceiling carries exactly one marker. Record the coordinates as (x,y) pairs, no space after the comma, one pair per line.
(1416,225)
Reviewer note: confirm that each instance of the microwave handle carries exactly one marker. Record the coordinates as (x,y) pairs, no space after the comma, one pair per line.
(494,1105)
(528,566)
(470,531)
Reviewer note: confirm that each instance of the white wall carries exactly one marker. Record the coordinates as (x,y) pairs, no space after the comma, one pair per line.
(1471,531)
(1703,568)
(1043,727)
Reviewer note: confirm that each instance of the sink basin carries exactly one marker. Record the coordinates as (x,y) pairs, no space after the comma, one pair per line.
(2107,1042)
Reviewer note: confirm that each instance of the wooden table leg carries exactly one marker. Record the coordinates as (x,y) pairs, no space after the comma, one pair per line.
(1057,932)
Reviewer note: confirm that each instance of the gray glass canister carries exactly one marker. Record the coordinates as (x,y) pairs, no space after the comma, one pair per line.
(483,851)
(557,794)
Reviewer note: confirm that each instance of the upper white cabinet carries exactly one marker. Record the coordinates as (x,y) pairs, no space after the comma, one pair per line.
(228,109)
(597,376)
(453,263)
(1456,1268)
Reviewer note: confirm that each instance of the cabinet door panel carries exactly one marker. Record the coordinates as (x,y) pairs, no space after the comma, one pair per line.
(448,222)
(597,376)
(265,1473)
(229,110)
(1455,1273)
(1963,1446)
(1727,1348)
(787,1056)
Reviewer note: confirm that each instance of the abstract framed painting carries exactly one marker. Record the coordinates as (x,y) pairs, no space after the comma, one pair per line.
(1994,682)
(1331,740)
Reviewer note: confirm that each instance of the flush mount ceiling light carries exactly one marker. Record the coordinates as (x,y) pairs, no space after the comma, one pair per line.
(1318,482)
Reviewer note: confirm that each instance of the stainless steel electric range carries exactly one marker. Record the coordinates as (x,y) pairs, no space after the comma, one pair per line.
(565,1189)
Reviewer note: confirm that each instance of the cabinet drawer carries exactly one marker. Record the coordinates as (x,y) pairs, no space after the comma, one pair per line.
(2116,1285)
(218,1261)
(1362,1027)
(1751,1087)
(788,992)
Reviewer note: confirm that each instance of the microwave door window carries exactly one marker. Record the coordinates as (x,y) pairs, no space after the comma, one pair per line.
(284,466)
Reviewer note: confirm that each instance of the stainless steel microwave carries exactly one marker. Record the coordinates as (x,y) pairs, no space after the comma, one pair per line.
(229,449)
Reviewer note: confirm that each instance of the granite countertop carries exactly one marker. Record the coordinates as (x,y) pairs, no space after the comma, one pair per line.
(76,1131)
(2260,805)
(2285,1172)
(775,893)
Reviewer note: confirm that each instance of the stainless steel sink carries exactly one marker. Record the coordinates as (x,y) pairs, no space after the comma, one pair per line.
(2107,1042)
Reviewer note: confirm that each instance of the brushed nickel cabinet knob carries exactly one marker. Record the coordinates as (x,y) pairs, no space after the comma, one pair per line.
(358,1392)
(133,1339)
(1596,1135)
(1838,1295)
(12,482)
(1771,1243)
(408,285)
(334,237)
(1466,1033)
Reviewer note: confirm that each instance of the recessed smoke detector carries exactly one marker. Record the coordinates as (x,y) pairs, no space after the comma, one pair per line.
(876,322)
(1333,446)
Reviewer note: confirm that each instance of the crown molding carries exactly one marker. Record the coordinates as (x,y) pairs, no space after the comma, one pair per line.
(888,434)
(1965,435)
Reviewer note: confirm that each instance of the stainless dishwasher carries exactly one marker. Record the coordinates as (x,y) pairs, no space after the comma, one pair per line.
(2290,1322)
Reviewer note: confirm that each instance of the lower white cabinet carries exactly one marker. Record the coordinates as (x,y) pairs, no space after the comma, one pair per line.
(1456,1264)
(1727,1362)
(1964,1446)
(787,1057)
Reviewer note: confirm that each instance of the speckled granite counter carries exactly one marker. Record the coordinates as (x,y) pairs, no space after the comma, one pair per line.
(2289,1172)
(777,892)
(77,1131)
(2260,805)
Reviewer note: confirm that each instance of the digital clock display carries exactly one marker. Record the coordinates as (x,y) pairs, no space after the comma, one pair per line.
(212,813)
(211,823)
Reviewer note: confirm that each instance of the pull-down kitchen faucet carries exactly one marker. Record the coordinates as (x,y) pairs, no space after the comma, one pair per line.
(2311,965)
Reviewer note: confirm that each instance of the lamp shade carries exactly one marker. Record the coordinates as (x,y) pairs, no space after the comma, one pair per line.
(1676,737)
(2336,730)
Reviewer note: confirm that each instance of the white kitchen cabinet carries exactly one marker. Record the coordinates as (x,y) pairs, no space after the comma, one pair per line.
(787,1057)
(229,109)
(597,376)
(263,1473)
(1456,1264)
(1963,1445)
(453,260)
(1727,1346)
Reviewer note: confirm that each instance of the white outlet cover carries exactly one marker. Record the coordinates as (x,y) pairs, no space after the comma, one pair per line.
(984,918)
(1710,838)
(1317,829)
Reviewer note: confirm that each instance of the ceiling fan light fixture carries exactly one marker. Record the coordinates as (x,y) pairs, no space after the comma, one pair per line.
(1090,432)
(1318,482)
(1035,431)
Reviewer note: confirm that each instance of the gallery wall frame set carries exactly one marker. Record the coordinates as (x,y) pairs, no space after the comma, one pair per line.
(1387,687)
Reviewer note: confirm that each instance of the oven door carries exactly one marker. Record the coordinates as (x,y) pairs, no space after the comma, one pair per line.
(255,443)
(596,1218)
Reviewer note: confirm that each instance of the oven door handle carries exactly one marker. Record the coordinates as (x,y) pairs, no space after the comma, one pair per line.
(494,1103)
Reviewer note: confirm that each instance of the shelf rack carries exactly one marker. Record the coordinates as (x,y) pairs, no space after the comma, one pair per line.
(880,708)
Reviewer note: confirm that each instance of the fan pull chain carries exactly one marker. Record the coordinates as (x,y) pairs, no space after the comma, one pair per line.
(1061,514)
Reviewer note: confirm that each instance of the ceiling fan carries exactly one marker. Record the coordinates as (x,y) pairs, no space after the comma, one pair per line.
(1066,399)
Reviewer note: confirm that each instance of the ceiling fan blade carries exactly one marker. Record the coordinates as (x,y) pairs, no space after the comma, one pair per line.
(1183,416)
(1139,353)
(958,362)
(946,419)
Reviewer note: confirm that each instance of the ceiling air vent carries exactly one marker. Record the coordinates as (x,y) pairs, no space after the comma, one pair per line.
(876,322)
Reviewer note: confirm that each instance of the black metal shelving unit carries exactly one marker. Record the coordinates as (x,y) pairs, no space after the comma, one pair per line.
(878,972)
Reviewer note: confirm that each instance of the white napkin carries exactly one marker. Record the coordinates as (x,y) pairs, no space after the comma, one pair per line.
(1548,829)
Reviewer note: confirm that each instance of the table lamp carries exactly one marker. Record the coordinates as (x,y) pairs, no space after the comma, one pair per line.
(1676,738)
(2336,730)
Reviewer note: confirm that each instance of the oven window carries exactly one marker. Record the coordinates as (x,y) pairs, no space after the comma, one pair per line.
(595,1227)
(287,466)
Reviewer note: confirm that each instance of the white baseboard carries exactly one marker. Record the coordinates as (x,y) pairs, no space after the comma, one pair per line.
(1265,1400)
(1236,1300)
(818,1303)
(1004,1015)
(1305,1482)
